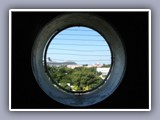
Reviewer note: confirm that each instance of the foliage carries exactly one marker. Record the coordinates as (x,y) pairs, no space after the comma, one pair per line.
(77,79)
(106,66)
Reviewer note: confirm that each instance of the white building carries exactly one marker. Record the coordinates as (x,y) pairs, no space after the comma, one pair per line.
(104,71)
(73,66)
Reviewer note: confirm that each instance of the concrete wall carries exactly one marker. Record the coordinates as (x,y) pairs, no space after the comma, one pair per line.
(117,48)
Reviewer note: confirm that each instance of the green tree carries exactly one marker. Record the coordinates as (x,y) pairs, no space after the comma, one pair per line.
(106,65)
(79,79)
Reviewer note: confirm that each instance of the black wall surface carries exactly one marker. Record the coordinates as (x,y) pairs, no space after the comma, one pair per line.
(132,92)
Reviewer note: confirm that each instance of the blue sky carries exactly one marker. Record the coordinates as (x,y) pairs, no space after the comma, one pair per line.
(81,45)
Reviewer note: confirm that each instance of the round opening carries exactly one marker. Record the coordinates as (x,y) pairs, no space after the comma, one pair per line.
(77,59)
(65,83)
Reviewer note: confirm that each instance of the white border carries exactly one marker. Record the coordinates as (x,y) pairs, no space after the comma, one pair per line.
(76,10)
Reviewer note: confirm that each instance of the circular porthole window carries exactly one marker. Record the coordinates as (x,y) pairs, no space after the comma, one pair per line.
(78,59)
